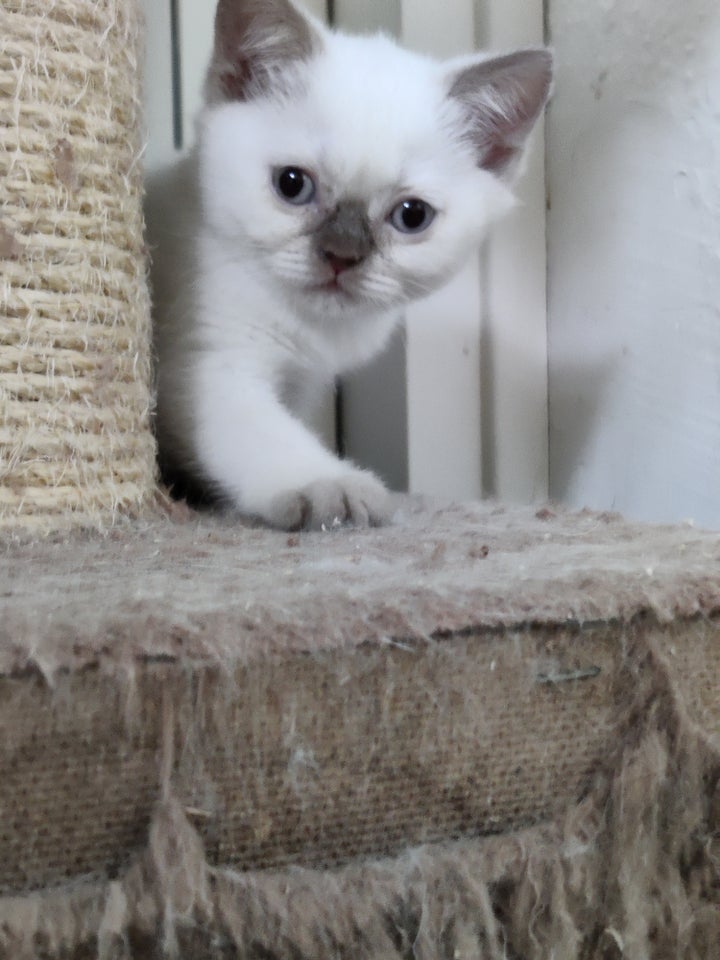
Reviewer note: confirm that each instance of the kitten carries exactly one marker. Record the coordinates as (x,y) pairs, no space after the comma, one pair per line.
(336,179)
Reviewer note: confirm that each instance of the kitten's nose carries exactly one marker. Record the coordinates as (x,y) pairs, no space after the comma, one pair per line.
(339,264)
(345,238)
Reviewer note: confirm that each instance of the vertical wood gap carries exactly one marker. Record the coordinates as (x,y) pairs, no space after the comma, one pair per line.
(178,132)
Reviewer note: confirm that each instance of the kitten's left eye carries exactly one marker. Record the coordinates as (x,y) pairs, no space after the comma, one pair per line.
(294,185)
(412,216)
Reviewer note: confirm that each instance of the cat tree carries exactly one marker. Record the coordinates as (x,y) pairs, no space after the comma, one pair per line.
(479,733)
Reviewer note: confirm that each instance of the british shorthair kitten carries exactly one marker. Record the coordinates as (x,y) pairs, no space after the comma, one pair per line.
(336,178)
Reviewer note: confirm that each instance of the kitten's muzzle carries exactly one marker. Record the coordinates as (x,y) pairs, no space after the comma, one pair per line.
(345,238)
(339,264)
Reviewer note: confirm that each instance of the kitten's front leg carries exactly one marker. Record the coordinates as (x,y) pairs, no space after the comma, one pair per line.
(274,468)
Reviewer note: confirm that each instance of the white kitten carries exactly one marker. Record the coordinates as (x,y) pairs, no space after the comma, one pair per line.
(336,179)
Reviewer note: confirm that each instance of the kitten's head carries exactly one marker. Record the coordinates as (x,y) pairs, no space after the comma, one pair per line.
(355,173)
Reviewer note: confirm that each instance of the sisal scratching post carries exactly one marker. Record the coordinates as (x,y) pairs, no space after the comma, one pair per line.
(76,447)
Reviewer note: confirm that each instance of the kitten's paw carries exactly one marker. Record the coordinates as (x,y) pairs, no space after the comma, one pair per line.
(357,499)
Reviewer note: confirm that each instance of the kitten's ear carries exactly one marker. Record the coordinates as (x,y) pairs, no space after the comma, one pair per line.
(255,42)
(502,99)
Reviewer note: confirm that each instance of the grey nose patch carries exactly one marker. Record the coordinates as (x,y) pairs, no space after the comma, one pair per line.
(346,233)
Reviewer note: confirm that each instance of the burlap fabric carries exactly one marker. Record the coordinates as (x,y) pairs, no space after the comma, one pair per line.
(476,734)
(75,442)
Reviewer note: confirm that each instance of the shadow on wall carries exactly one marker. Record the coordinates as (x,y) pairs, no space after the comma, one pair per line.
(581,387)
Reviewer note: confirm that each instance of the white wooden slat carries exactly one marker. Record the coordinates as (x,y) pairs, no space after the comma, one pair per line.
(514,362)
(440,29)
(444,332)
(157,85)
(368,16)
(196,42)
(317,7)
(443,390)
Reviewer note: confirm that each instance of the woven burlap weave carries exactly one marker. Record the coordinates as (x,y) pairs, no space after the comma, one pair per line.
(75,442)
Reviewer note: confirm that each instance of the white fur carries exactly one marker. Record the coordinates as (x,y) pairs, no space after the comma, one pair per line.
(244,340)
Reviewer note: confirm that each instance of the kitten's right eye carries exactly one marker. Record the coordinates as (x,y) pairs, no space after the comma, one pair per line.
(294,185)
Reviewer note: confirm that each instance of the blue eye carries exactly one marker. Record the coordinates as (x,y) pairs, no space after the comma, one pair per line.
(294,185)
(412,216)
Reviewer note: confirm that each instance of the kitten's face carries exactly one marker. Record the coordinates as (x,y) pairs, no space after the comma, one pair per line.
(347,172)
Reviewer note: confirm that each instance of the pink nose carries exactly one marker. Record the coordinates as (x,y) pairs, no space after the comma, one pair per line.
(340,264)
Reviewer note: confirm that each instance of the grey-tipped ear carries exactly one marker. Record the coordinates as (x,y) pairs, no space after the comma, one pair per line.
(255,40)
(502,99)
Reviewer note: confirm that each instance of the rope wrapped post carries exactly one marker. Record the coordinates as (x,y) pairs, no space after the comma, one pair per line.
(76,447)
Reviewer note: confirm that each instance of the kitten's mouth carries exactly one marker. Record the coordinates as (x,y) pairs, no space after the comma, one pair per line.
(332,286)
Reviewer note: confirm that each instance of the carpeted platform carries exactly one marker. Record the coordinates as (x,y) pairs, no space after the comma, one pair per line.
(481,732)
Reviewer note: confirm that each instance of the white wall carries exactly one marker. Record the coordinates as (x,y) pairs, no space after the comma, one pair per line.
(634,257)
